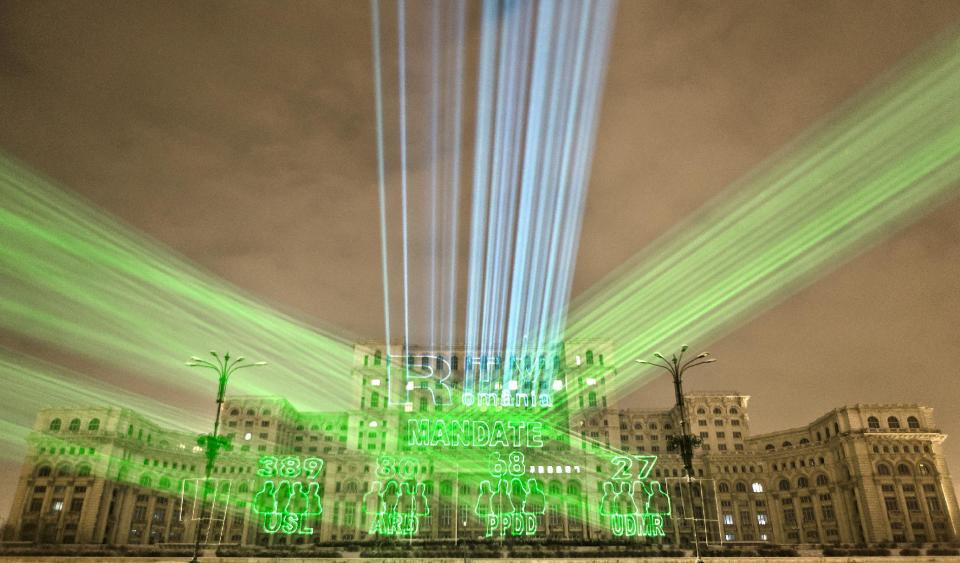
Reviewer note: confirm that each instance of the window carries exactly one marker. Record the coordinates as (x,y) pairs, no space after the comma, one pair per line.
(761,519)
(808,515)
(912,504)
(822,480)
(728,519)
(44,471)
(784,485)
(55,425)
(912,422)
(94,425)
(827,512)
(934,504)
(741,488)
(701,422)
(770,447)
(723,487)
(883,469)
(891,504)
(893,422)
(717,410)
(802,482)
(701,410)
(83,471)
(75,425)
(786,444)
(733,410)
(903,469)
(873,422)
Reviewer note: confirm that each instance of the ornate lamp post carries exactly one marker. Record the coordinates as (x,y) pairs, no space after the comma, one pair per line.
(686,442)
(213,443)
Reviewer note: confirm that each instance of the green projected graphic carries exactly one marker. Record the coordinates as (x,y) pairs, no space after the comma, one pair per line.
(474,433)
(507,503)
(630,506)
(396,500)
(285,504)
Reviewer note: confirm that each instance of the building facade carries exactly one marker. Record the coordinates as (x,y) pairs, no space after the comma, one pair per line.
(859,474)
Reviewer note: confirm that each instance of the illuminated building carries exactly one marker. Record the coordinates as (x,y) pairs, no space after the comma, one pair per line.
(858,474)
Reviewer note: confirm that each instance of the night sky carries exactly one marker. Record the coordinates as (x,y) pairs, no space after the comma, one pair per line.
(241,135)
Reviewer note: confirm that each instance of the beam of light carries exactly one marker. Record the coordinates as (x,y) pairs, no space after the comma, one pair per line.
(75,279)
(884,160)
(533,143)
(419,174)
(381,176)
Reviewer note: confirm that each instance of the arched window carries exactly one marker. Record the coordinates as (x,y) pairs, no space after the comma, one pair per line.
(64,470)
(592,399)
(701,410)
(145,481)
(822,480)
(786,444)
(55,425)
(83,470)
(757,487)
(893,422)
(351,487)
(717,410)
(873,422)
(573,488)
(74,425)
(266,412)
(912,422)
(446,488)
(784,485)
(803,483)
(251,412)
(234,412)
(804,441)
(770,447)
(653,426)
(819,439)
(44,471)
(903,469)
(723,487)
(733,410)
(555,488)
(883,469)
(923,469)
(374,399)
(741,487)
(94,425)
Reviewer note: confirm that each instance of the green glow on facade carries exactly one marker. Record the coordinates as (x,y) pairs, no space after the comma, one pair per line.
(286,505)
(507,504)
(397,500)
(474,433)
(619,505)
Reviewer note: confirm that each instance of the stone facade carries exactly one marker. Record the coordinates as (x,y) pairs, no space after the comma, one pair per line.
(858,474)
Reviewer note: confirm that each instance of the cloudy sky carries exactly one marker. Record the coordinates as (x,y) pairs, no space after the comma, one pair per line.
(181,117)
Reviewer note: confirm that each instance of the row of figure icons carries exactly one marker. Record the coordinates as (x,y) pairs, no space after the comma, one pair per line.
(397,507)
(286,506)
(510,505)
(635,508)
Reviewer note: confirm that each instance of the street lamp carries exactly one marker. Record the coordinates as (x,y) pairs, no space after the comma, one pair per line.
(686,441)
(213,443)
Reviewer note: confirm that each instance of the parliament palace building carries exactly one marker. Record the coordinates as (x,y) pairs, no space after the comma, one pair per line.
(858,474)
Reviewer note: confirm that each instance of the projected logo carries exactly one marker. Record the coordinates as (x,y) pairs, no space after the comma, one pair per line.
(290,494)
(630,505)
(397,500)
(507,503)
(521,380)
